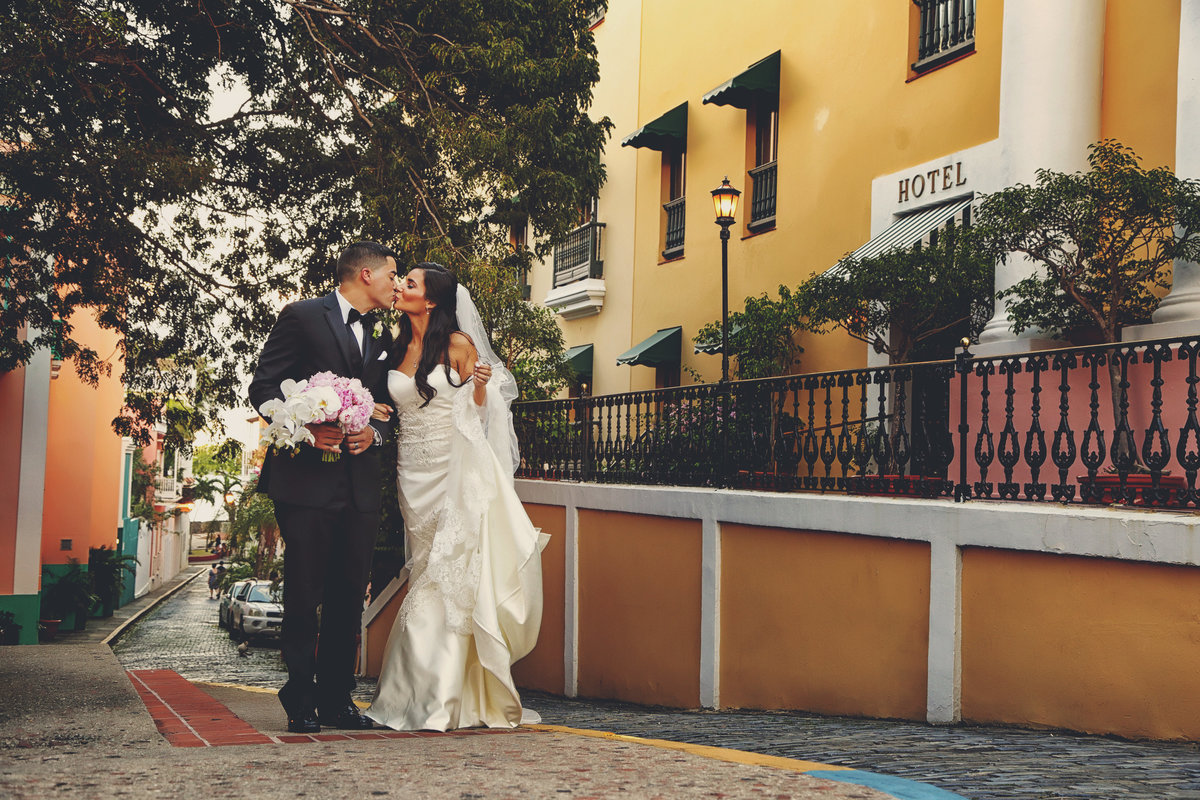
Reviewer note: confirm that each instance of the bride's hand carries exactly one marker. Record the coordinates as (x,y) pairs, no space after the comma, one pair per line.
(382,411)
(483,373)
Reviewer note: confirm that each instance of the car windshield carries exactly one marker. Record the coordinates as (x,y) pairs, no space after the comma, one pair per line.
(261,594)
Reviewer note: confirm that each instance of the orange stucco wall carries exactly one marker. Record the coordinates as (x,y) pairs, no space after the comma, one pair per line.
(83,454)
(543,668)
(823,622)
(12,398)
(1095,645)
(639,608)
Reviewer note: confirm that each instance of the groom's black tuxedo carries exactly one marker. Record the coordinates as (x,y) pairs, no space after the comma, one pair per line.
(328,512)
(310,337)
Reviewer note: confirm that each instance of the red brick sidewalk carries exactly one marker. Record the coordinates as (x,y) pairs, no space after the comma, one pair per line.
(188,717)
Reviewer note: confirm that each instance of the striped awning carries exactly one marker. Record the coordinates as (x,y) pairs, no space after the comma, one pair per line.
(907,231)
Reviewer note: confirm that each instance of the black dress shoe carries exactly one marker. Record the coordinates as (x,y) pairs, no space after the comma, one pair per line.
(305,723)
(346,717)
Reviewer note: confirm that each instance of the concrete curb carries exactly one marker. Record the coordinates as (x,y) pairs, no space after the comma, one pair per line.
(116,632)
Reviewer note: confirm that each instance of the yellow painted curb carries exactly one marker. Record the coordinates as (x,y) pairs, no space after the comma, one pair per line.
(242,686)
(705,751)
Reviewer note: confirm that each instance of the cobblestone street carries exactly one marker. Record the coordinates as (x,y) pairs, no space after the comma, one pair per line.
(982,763)
(182,634)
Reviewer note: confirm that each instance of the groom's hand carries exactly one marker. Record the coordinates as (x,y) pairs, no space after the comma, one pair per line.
(328,436)
(359,441)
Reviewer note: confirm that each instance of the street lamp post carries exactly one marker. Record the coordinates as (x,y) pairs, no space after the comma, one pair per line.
(725,200)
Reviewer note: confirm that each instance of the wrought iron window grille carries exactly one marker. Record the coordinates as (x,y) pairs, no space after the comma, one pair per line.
(673,246)
(762,197)
(945,32)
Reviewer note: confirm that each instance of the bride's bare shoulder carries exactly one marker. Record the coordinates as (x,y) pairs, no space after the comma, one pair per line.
(462,350)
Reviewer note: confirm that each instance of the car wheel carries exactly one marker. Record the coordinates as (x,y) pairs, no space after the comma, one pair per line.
(220,620)
(233,632)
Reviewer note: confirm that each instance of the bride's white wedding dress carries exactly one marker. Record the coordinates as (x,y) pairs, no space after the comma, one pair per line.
(474,602)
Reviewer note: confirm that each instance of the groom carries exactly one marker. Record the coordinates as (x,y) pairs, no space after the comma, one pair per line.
(328,511)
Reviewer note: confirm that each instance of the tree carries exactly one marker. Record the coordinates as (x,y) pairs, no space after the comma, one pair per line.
(131,195)
(1103,241)
(762,336)
(901,298)
(526,336)
(254,523)
(223,458)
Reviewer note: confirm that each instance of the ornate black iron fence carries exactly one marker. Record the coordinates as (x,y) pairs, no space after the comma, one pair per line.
(1097,424)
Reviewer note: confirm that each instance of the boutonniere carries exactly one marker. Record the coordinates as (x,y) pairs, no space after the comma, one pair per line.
(383,322)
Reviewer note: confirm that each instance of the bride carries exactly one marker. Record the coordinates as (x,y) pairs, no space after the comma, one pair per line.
(474,602)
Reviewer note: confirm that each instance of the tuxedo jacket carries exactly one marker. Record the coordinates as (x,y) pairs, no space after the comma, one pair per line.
(310,337)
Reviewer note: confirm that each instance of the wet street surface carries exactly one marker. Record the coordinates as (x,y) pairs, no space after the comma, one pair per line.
(981,763)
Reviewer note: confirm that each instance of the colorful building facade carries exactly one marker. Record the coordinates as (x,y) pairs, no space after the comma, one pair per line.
(66,479)
(841,124)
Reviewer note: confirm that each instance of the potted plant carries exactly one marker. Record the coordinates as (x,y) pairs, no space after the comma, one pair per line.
(10,630)
(71,593)
(107,568)
(48,629)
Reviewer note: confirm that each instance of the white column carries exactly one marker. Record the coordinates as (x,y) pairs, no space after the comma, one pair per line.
(944,682)
(31,487)
(710,614)
(1179,313)
(1051,71)
(571,599)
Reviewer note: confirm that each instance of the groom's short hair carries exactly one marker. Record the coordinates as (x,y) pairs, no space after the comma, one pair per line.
(360,255)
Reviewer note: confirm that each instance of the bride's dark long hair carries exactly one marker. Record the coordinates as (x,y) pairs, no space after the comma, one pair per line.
(441,288)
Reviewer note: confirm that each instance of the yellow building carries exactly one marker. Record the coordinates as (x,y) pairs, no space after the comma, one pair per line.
(837,121)
(892,115)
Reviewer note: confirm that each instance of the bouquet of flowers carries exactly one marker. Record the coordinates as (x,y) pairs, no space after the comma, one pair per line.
(324,397)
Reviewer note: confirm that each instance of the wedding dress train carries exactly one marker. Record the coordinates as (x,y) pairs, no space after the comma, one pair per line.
(474,602)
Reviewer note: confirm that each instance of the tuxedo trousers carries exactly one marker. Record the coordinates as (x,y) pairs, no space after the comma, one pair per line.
(327,559)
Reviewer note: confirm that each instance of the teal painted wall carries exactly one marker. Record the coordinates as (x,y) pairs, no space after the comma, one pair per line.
(128,545)
(26,608)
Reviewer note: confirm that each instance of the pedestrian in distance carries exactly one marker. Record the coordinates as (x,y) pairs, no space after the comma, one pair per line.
(214,580)
(327,493)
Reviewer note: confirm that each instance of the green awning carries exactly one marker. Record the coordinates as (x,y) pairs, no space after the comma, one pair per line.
(662,348)
(759,82)
(579,359)
(713,346)
(668,132)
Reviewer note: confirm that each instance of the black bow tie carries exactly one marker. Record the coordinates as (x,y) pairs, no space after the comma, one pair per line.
(355,316)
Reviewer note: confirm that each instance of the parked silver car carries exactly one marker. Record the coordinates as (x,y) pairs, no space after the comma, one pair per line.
(225,607)
(256,610)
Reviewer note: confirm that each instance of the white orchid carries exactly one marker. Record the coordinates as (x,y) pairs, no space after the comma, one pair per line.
(325,401)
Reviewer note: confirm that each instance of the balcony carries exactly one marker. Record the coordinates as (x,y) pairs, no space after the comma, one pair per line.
(673,246)
(964,429)
(578,289)
(947,31)
(578,255)
(166,490)
(762,197)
